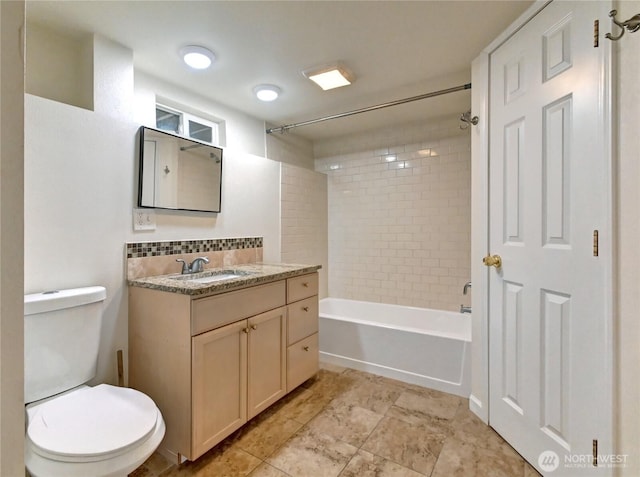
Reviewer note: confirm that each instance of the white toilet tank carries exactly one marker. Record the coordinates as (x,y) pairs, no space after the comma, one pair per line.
(61,340)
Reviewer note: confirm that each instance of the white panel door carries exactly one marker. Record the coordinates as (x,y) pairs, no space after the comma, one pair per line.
(549,358)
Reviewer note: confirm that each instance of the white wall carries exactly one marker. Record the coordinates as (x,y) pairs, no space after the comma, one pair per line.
(290,148)
(399,231)
(627,230)
(243,133)
(80,189)
(11,247)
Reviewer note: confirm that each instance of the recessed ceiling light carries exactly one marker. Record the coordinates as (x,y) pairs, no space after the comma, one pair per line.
(197,57)
(330,76)
(267,92)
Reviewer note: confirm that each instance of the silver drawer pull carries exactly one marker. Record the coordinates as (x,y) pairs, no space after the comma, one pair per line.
(306,348)
(305,308)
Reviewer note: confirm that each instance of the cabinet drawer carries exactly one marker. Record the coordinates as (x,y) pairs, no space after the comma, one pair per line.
(302,287)
(215,311)
(302,319)
(302,361)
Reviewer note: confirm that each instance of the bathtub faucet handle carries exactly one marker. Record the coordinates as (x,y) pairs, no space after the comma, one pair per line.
(465,309)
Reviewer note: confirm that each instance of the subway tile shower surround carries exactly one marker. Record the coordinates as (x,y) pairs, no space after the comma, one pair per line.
(159,258)
(399,215)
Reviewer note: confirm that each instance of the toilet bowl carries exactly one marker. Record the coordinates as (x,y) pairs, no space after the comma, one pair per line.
(99,431)
(74,430)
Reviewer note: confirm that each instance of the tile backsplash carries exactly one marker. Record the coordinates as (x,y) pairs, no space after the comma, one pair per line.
(159,258)
(400,216)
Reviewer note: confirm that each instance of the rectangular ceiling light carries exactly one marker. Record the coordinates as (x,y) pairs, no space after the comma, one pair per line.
(329,77)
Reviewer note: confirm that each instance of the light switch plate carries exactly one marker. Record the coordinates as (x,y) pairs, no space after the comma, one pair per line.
(144,219)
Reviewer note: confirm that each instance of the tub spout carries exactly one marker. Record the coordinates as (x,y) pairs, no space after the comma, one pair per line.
(465,309)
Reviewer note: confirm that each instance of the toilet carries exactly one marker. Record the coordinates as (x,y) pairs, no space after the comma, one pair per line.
(72,429)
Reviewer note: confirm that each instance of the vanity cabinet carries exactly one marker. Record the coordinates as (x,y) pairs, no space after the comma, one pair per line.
(212,363)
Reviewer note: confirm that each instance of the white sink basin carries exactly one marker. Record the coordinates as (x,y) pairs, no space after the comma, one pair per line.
(214,278)
(211,277)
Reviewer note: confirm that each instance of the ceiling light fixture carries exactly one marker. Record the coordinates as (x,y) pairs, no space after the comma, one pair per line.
(197,57)
(330,76)
(267,92)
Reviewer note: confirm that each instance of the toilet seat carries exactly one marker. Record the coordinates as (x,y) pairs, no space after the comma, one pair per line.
(91,424)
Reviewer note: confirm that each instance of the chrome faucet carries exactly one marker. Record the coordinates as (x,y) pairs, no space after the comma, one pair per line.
(194,267)
(465,290)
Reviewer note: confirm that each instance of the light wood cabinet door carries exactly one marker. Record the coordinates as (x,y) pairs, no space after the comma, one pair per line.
(219,385)
(267,366)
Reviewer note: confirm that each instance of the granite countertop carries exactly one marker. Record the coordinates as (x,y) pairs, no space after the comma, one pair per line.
(249,275)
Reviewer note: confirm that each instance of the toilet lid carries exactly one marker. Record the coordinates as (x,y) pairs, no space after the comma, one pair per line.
(91,423)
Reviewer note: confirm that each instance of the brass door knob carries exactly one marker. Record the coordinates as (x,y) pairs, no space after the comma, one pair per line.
(492,261)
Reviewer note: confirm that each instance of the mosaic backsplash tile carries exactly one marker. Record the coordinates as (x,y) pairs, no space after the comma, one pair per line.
(176,247)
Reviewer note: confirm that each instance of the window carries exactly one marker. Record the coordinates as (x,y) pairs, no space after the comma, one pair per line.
(186,125)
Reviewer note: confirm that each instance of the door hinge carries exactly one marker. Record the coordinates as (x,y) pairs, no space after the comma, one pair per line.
(595,243)
(595,452)
(596,33)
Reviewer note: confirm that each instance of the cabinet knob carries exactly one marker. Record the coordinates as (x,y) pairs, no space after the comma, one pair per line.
(305,308)
(254,327)
(306,348)
(305,284)
(246,330)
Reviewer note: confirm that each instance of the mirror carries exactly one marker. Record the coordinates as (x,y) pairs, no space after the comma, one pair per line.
(178,173)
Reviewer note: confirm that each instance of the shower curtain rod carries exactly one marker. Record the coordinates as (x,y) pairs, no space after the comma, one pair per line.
(286,127)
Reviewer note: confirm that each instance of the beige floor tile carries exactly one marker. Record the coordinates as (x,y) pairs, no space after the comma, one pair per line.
(266,470)
(460,459)
(302,405)
(310,454)
(265,433)
(414,446)
(468,428)
(403,430)
(365,464)
(432,423)
(332,367)
(377,395)
(361,375)
(221,461)
(349,423)
(153,466)
(327,384)
(434,403)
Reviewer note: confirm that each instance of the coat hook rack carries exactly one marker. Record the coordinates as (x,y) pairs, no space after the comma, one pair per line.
(632,25)
(467,119)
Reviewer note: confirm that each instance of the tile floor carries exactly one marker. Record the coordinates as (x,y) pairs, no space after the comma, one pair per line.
(352,424)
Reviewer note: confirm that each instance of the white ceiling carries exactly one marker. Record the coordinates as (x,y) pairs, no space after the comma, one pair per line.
(396,49)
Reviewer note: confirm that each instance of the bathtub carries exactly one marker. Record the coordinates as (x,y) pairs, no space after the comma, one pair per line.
(427,347)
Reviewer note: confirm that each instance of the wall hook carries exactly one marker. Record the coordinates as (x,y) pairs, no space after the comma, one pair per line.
(467,120)
(632,25)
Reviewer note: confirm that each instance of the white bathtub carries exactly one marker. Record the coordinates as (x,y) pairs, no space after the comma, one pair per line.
(415,345)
